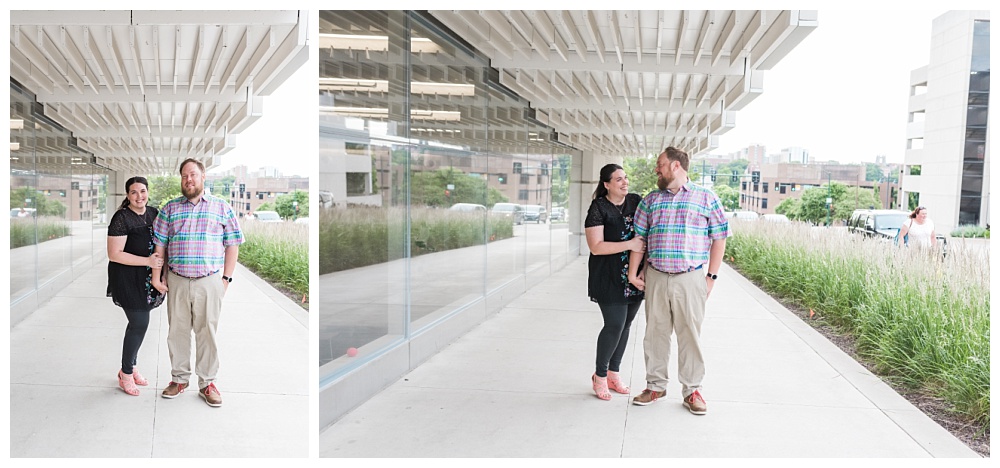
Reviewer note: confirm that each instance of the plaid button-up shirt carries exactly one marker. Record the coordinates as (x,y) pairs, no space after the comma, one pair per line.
(196,236)
(679,228)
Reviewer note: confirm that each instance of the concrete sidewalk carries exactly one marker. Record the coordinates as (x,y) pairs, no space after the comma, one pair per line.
(65,400)
(519,386)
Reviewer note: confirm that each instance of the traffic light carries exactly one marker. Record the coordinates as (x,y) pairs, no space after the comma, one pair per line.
(735,177)
(756,176)
(713,177)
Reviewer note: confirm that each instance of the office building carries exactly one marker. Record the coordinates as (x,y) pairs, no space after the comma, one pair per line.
(947,159)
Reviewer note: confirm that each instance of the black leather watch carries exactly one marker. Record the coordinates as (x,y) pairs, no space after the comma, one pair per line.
(227,278)
(714,277)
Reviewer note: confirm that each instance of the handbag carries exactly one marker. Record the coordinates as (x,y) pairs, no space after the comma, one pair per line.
(906,238)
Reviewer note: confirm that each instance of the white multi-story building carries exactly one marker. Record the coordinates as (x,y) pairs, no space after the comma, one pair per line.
(947,161)
(795,154)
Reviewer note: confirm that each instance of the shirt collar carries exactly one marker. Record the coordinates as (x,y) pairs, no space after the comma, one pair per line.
(684,188)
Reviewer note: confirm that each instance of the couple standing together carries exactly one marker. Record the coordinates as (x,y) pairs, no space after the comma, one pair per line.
(666,248)
(197,236)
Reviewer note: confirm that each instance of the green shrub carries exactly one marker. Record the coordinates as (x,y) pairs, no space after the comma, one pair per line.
(278,253)
(359,236)
(971,230)
(922,320)
(23,230)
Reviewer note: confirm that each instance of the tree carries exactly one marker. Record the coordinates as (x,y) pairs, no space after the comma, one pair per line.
(560,179)
(790,208)
(724,172)
(285,204)
(729,196)
(266,206)
(854,199)
(813,207)
(163,189)
(430,188)
(42,205)
(641,172)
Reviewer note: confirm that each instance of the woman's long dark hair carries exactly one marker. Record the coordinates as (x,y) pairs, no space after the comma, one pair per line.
(916,212)
(128,184)
(606,172)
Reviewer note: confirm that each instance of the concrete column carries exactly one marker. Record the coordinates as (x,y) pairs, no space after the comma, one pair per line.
(116,192)
(584,177)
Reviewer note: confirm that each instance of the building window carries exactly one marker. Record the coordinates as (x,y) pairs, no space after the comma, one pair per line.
(744,184)
(764,185)
(522,194)
(524,179)
(517,168)
(782,189)
(763,203)
(756,187)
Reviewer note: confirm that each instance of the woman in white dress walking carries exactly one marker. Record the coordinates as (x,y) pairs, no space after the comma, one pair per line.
(919,228)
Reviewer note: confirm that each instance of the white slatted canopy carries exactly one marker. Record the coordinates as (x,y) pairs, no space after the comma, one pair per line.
(629,82)
(143,90)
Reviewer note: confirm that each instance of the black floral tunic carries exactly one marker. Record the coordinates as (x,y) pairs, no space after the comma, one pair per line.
(608,281)
(130,287)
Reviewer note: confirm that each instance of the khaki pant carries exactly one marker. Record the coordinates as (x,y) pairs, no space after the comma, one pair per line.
(675,303)
(194,305)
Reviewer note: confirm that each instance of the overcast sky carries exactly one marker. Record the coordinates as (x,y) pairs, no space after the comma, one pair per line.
(842,92)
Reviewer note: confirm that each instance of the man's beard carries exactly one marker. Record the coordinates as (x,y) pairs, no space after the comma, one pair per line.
(663,183)
(193,193)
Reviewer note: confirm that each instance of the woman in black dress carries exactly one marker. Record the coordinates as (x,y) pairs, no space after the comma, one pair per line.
(611,237)
(130,255)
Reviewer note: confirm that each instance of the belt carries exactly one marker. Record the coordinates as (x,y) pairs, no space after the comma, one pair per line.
(206,276)
(689,270)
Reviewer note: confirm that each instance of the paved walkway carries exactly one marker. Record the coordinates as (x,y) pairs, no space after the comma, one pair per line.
(518,385)
(65,400)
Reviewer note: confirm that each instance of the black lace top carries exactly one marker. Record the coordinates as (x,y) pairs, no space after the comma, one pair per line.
(608,281)
(130,287)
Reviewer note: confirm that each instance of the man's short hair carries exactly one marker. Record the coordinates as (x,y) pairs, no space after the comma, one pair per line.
(200,164)
(675,154)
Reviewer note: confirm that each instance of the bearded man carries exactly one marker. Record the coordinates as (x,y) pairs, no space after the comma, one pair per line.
(199,238)
(685,232)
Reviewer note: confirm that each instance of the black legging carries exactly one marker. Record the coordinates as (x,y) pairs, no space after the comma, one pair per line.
(138,322)
(613,339)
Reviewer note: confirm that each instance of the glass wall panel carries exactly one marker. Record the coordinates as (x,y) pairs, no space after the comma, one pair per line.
(53,198)
(363,130)
(427,164)
(506,139)
(23,201)
(449,174)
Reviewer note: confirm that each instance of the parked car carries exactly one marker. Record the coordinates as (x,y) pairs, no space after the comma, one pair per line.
(267,216)
(467,207)
(881,224)
(776,218)
(325,199)
(558,214)
(536,213)
(510,210)
(22,212)
(746,215)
